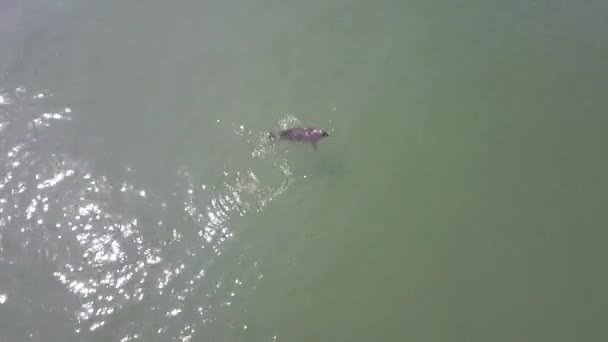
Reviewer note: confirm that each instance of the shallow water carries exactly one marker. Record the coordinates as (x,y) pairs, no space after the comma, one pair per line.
(460,196)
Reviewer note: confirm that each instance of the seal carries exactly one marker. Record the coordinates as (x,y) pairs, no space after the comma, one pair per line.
(300,134)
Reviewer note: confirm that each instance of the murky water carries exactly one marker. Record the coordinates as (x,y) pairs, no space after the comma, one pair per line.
(459,197)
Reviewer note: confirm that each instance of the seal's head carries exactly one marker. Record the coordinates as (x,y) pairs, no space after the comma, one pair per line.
(320,133)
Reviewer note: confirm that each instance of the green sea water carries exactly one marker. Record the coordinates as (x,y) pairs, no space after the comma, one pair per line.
(460,196)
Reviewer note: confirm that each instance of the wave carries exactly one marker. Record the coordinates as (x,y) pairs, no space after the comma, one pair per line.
(127,261)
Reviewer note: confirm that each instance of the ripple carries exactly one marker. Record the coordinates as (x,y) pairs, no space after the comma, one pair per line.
(111,260)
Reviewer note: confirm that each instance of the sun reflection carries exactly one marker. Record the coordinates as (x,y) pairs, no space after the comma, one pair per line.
(109,257)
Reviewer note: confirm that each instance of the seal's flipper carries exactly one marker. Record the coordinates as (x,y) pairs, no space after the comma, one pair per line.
(314,146)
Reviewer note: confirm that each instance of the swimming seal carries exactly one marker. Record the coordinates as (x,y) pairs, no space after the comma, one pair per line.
(300,134)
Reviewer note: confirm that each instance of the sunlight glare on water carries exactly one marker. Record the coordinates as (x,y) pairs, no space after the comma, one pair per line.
(58,207)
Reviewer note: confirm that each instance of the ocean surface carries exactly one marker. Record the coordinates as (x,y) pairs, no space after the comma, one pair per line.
(461,195)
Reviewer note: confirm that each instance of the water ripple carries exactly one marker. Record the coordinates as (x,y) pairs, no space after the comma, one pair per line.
(110,261)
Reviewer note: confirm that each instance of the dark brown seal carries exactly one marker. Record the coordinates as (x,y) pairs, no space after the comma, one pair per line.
(301,134)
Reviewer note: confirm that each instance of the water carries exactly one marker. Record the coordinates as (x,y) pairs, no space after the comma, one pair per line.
(460,196)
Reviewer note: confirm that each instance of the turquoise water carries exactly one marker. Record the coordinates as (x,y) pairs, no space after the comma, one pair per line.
(460,196)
